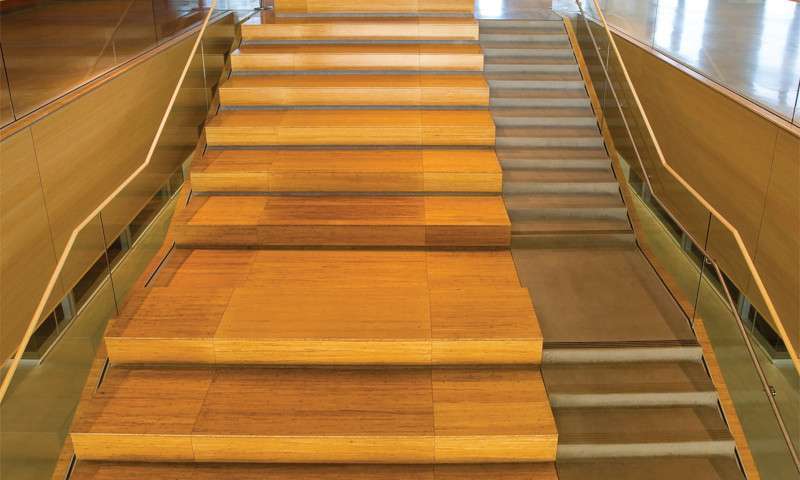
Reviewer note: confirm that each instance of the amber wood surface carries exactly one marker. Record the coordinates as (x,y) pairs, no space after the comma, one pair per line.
(375,307)
(318,415)
(347,171)
(378,6)
(86,470)
(344,220)
(386,28)
(304,90)
(351,127)
(358,57)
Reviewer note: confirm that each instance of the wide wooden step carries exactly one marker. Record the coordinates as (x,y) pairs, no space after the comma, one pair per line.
(373,307)
(373,7)
(265,28)
(88,470)
(355,90)
(292,415)
(261,221)
(347,171)
(351,127)
(357,57)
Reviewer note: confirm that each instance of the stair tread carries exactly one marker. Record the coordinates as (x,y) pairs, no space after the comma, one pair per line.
(344,220)
(372,28)
(355,89)
(549,153)
(328,414)
(569,225)
(526,45)
(627,425)
(408,307)
(88,470)
(512,60)
(633,377)
(351,127)
(376,56)
(347,171)
(562,200)
(547,131)
(560,176)
(524,93)
(535,76)
(654,468)
(542,112)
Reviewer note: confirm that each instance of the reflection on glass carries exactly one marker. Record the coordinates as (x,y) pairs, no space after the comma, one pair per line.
(752,47)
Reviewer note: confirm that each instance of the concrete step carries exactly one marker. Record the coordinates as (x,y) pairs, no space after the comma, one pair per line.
(547,81)
(560,182)
(569,207)
(510,164)
(538,25)
(552,97)
(621,354)
(585,136)
(660,468)
(529,64)
(620,432)
(528,49)
(527,35)
(568,226)
(629,384)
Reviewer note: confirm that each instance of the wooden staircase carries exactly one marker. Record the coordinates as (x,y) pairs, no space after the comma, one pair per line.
(341,291)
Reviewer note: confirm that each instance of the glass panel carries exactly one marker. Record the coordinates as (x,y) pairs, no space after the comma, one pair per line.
(750,400)
(635,17)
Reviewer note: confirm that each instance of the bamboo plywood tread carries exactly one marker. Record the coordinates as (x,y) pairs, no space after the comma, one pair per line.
(87,470)
(318,415)
(347,171)
(261,28)
(364,90)
(351,127)
(369,57)
(379,6)
(259,221)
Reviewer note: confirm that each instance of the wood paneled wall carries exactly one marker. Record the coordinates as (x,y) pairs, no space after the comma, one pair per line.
(743,162)
(56,170)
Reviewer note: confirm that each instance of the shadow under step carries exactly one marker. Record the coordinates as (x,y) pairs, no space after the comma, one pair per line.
(339,220)
(361,171)
(620,432)
(659,468)
(634,384)
(88,470)
(317,415)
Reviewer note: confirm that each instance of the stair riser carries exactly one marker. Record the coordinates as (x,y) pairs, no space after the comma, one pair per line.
(582,240)
(527,53)
(568,213)
(540,25)
(670,399)
(330,182)
(353,8)
(278,96)
(521,68)
(622,355)
(553,164)
(560,187)
(539,102)
(659,449)
(545,121)
(356,62)
(349,136)
(537,84)
(300,352)
(569,142)
(377,30)
(525,37)
(198,236)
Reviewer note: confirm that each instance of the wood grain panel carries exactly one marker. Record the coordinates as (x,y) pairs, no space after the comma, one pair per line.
(6,109)
(348,171)
(358,57)
(386,28)
(380,6)
(402,415)
(343,90)
(466,221)
(778,255)
(27,253)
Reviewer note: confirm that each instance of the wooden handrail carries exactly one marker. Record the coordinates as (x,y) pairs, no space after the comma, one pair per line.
(677,176)
(71,241)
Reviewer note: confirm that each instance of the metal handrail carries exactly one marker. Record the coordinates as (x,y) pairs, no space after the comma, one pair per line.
(762,377)
(699,197)
(71,241)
